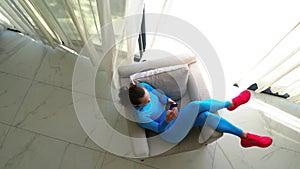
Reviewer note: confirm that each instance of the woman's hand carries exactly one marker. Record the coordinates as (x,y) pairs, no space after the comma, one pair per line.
(171,114)
(171,101)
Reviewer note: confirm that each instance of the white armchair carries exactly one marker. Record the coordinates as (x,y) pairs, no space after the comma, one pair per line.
(196,89)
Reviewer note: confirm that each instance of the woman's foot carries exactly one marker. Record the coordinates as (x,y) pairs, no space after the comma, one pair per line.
(242,98)
(256,140)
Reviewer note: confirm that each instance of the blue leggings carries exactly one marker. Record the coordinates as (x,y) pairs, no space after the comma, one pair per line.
(198,113)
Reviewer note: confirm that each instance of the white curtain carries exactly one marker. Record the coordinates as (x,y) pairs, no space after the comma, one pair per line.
(12,17)
(126,32)
(72,23)
(62,22)
(133,7)
(279,69)
(158,7)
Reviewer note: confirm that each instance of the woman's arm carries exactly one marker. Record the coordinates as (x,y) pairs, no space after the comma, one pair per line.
(160,127)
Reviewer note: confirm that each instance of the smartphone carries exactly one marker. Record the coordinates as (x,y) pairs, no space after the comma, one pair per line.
(172,106)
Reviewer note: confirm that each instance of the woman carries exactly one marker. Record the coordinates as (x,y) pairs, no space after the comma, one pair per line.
(173,125)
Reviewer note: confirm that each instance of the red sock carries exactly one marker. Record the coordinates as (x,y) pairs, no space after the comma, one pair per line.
(256,140)
(242,98)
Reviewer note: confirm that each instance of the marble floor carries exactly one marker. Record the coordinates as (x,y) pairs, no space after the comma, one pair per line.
(39,127)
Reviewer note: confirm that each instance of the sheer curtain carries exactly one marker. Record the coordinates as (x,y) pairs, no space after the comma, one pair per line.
(71,24)
(67,22)
(13,16)
(280,68)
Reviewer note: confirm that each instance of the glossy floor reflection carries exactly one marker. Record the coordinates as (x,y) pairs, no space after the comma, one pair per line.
(39,127)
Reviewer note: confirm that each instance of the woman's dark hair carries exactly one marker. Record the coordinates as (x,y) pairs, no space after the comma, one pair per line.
(136,92)
(133,92)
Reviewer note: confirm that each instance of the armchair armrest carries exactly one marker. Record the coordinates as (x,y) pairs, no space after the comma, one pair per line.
(139,146)
(198,83)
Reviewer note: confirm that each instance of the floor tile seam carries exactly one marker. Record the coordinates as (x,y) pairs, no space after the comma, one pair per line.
(51,137)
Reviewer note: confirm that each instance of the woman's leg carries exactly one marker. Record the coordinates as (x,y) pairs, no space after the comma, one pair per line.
(222,125)
(211,105)
(216,122)
(185,120)
(190,116)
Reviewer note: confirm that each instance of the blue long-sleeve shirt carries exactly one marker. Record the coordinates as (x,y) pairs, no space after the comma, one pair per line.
(152,116)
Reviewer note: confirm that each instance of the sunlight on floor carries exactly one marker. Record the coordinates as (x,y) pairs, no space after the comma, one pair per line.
(278,115)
